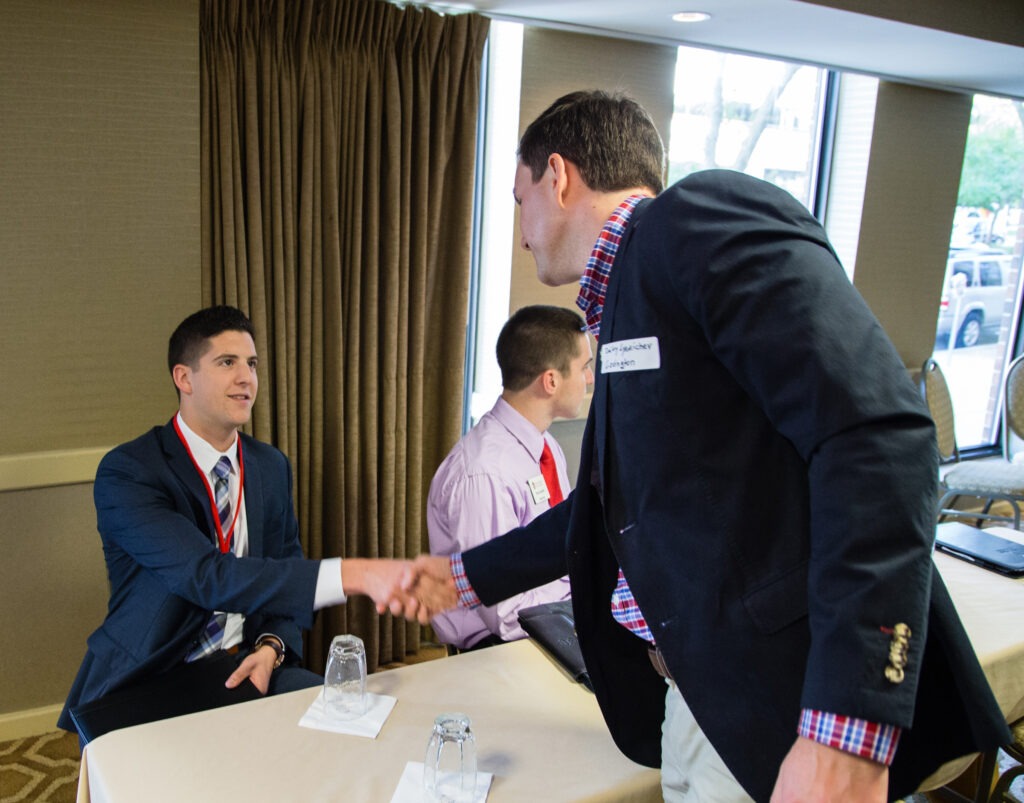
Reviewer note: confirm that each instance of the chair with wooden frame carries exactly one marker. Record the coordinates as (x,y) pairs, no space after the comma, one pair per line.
(1001,791)
(989,481)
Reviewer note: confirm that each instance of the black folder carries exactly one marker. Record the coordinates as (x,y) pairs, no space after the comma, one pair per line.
(186,689)
(552,626)
(984,548)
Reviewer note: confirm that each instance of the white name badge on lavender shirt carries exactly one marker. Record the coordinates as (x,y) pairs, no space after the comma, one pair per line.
(539,489)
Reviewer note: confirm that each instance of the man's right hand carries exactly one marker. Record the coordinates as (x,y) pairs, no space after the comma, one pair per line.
(381,580)
(429,579)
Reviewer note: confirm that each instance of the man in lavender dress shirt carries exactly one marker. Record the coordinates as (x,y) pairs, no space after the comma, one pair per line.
(491,481)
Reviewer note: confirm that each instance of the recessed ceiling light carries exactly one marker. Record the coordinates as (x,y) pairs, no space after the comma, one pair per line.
(691,16)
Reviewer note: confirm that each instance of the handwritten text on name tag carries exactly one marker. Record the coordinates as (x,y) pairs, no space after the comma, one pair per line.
(639,354)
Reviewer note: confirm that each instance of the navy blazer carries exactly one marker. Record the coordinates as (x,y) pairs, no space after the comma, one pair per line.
(769,492)
(166,572)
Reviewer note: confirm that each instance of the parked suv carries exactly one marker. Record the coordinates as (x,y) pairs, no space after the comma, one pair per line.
(975,293)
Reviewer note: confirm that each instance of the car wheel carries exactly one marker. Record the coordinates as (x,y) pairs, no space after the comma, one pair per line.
(970,331)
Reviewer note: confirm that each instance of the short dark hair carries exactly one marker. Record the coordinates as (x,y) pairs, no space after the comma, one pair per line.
(188,343)
(535,339)
(611,139)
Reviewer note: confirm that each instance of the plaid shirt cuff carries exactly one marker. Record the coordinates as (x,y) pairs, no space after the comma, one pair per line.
(467,596)
(870,740)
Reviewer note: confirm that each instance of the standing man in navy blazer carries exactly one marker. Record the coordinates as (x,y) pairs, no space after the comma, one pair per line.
(754,514)
(185,584)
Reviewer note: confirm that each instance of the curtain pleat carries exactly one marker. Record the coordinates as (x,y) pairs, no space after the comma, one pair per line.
(338,146)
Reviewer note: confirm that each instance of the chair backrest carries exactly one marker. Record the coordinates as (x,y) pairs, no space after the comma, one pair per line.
(1013,405)
(940,405)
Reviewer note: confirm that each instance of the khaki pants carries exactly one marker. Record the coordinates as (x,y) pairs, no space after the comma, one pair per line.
(691,769)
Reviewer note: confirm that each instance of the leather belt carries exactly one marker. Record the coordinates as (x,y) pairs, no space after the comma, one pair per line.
(658,662)
(233,650)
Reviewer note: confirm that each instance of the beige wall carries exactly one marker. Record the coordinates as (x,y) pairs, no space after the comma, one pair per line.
(995,20)
(99,258)
(53,586)
(910,196)
(99,214)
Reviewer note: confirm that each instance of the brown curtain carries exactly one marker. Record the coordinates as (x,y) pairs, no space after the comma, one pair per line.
(338,144)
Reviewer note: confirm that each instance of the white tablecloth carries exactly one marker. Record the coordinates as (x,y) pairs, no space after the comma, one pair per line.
(991,608)
(538,732)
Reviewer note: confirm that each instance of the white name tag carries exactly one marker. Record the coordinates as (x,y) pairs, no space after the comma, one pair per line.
(539,489)
(640,354)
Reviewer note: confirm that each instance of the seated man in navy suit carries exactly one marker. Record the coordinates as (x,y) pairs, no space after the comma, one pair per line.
(200,536)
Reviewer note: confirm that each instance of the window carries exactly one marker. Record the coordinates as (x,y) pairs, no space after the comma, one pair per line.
(495,211)
(759,116)
(979,311)
(991,276)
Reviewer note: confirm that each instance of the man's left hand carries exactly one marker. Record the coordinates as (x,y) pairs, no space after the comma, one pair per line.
(815,772)
(257,667)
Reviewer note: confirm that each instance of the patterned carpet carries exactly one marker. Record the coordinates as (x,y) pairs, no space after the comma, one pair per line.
(39,768)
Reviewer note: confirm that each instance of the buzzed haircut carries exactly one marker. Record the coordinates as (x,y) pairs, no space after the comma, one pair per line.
(610,138)
(535,339)
(188,343)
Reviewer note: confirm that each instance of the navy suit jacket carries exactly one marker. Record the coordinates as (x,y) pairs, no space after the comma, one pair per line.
(166,573)
(769,492)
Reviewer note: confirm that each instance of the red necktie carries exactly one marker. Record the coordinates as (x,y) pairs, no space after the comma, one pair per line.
(550,473)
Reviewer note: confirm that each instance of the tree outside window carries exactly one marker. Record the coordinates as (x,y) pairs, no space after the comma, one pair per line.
(758,116)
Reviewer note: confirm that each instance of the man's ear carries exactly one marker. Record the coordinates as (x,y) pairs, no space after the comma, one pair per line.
(549,381)
(182,376)
(560,177)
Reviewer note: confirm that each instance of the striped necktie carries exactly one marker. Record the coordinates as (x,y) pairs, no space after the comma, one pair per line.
(213,632)
(221,495)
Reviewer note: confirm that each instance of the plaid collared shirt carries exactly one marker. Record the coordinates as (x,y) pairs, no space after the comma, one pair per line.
(594,282)
(874,741)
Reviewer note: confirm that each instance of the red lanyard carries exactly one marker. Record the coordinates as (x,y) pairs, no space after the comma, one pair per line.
(224,539)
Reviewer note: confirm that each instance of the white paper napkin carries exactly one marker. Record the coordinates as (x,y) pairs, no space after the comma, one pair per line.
(378,707)
(410,785)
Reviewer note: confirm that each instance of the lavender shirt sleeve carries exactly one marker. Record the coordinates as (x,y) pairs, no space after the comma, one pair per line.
(481,491)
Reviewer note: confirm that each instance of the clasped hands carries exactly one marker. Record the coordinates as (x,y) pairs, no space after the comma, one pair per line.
(416,589)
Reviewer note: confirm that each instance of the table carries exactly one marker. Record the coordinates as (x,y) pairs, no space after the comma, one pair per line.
(541,734)
(991,608)
(537,731)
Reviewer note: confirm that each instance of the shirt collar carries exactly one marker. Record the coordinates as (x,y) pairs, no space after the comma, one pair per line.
(521,428)
(594,282)
(205,455)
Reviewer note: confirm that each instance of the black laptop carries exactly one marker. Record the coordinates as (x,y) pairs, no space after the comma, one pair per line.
(551,625)
(986,548)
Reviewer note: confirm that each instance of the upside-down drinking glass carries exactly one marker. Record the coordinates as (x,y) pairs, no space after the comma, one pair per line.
(345,678)
(449,771)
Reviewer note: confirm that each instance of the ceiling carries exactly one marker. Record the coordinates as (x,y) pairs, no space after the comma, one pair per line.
(976,47)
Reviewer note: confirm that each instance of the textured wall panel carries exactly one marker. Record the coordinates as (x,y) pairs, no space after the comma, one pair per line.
(99,215)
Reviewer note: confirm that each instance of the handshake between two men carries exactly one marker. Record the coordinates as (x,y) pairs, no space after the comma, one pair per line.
(416,589)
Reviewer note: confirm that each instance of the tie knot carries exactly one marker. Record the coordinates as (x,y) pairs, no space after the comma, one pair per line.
(223,468)
(546,458)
